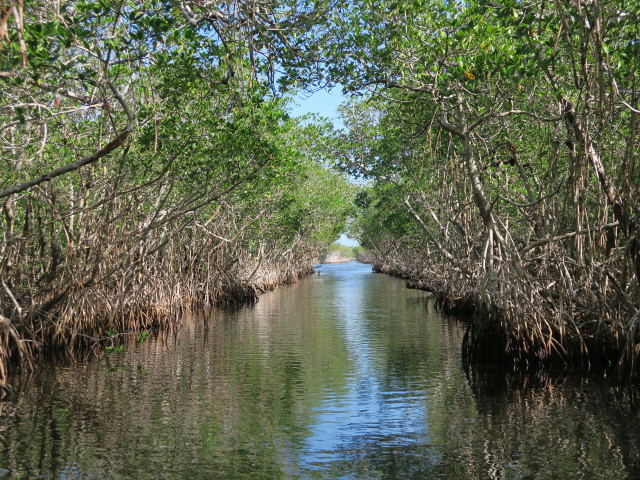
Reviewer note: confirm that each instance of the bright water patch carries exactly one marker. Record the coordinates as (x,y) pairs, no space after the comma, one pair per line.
(344,375)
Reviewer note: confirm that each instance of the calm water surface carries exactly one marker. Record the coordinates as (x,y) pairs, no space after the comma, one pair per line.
(344,375)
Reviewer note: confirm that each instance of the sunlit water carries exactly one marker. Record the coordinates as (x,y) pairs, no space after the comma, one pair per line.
(345,375)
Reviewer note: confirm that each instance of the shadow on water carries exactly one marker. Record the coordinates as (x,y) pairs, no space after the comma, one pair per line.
(344,375)
(564,424)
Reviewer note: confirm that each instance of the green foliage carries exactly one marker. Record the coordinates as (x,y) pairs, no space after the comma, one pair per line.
(339,250)
(497,142)
(114,349)
(142,337)
(145,142)
(500,70)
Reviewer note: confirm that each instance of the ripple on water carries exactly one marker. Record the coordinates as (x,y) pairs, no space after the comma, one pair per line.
(345,375)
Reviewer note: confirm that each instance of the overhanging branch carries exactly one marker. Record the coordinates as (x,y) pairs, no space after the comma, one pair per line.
(110,147)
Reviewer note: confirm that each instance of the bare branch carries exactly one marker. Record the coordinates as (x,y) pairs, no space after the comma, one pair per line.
(557,238)
(77,97)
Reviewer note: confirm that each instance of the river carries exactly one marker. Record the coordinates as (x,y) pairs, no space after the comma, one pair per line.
(346,374)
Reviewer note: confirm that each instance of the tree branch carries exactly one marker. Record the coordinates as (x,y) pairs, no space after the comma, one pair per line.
(557,238)
(110,147)
(78,97)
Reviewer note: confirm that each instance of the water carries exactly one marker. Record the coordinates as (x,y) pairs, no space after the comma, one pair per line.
(344,375)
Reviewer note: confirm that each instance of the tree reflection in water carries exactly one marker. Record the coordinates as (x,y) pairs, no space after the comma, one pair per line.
(345,375)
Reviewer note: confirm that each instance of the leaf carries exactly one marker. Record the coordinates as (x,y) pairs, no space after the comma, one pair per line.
(142,337)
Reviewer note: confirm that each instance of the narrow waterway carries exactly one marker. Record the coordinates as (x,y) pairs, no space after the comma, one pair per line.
(345,375)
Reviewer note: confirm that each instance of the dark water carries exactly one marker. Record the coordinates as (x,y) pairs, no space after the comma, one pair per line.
(345,375)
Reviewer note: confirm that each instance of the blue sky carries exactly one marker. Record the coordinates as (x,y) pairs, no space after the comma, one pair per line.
(321,102)
(344,240)
(325,104)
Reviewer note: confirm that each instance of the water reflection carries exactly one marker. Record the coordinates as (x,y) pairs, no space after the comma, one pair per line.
(345,375)
(369,418)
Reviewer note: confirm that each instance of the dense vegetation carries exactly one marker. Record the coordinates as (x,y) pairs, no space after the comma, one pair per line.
(502,146)
(338,253)
(148,166)
(149,163)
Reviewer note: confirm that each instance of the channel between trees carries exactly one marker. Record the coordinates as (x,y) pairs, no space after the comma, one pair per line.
(150,165)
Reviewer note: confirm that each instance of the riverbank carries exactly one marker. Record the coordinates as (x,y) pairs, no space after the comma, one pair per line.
(526,342)
(337,257)
(99,318)
(339,253)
